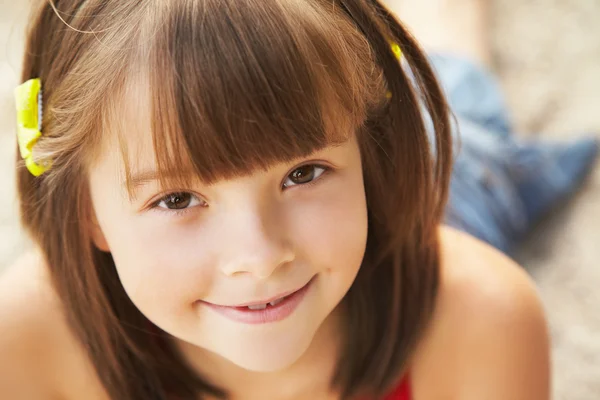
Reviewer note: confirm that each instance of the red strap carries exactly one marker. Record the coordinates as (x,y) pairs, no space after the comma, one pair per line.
(402,392)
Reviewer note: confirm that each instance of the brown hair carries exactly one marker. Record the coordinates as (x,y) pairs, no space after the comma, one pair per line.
(236,86)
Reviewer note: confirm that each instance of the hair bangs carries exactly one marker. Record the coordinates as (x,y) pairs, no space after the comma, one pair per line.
(255,84)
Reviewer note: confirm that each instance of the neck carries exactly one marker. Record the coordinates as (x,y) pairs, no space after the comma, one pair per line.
(311,373)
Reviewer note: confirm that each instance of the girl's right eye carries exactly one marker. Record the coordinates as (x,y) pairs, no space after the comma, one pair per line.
(178,201)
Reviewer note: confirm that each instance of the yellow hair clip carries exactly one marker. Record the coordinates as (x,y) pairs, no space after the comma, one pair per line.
(398,53)
(28,97)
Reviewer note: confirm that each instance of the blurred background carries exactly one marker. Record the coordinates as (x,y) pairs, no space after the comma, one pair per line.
(547,55)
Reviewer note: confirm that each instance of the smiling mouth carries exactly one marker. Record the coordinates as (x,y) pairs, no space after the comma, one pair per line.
(272,310)
(262,304)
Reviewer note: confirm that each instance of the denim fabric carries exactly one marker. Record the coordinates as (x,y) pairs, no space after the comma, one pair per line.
(501,185)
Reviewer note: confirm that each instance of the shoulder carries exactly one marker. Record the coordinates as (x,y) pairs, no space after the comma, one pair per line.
(488,338)
(40,356)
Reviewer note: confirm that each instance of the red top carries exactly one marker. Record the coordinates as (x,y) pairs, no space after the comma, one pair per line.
(402,392)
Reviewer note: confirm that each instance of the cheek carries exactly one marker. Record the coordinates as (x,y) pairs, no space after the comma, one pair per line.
(163,270)
(333,233)
(160,264)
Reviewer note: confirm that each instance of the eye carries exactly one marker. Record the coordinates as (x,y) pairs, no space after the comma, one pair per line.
(303,175)
(178,201)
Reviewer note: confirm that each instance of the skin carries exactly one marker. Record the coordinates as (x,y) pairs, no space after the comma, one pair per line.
(250,238)
(239,241)
(488,338)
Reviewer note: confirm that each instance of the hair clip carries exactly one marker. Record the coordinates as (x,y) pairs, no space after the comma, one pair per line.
(28,97)
(398,53)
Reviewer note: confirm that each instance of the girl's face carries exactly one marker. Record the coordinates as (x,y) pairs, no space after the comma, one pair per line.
(187,255)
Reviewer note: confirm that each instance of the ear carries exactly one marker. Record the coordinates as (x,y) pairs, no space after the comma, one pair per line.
(97,235)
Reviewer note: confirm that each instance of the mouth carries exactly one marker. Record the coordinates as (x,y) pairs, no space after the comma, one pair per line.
(269,310)
(272,301)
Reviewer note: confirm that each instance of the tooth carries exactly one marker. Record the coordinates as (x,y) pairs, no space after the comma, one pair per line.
(258,307)
(275,302)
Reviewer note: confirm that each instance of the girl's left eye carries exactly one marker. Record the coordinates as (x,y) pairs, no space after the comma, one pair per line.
(178,201)
(303,175)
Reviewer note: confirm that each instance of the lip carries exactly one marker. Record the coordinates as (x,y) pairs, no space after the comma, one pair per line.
(278,312)
(255,303)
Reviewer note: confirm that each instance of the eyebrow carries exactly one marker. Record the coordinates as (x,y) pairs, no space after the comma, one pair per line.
(141,178)
(145,177)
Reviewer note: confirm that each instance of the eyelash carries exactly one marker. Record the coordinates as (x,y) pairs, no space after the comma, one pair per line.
(155,205)
(316,180)
(176,212)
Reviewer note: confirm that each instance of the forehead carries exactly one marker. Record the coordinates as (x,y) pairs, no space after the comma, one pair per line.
(141,149)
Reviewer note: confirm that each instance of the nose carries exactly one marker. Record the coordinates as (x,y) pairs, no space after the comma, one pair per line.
(256,242)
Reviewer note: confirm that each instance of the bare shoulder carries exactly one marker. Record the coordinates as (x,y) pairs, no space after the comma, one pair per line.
(489,336)
(41,359)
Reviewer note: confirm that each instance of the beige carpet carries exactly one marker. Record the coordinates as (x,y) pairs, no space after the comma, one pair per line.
(548,56)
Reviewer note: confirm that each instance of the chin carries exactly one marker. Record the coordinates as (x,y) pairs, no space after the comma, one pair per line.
(267,355)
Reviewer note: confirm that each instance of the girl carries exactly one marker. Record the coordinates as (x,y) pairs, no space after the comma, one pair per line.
(240,199)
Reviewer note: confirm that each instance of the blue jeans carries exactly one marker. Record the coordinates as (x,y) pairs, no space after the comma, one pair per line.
(501,185)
